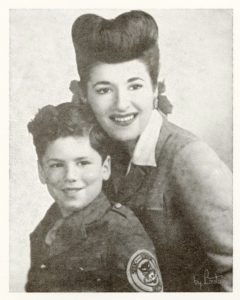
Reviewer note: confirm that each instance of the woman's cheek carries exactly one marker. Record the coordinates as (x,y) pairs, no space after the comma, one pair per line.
(101,104)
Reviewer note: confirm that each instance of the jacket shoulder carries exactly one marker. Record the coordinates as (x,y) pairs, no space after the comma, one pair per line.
(125,226)
(49,218)
(120,217)
(122,210)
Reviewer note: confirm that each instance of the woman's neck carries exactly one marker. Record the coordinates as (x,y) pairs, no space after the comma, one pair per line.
(130,146)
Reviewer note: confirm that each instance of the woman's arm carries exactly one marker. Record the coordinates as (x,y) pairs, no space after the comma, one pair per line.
(206,188)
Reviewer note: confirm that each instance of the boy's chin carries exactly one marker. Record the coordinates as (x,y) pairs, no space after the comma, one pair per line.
(69,208)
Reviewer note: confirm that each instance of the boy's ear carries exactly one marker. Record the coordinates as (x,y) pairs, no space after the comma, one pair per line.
(106,168)
(41,173)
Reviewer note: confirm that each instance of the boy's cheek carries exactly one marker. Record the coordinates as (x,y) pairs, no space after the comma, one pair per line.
(88,177)
(54,176)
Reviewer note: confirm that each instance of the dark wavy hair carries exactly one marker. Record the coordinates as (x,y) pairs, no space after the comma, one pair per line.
(66,119)
(131,35)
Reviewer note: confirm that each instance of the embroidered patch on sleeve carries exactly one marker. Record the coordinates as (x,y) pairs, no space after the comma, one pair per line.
(143,273)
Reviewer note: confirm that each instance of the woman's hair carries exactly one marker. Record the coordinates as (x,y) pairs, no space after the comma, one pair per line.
(131,35)
(67,119)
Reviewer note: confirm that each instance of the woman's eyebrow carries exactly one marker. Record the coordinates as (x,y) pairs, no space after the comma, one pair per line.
(101,82)
(134,78)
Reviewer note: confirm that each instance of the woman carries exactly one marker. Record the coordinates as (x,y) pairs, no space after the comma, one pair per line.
(177,186)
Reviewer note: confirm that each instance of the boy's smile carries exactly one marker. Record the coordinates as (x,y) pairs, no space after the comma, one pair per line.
(73,172)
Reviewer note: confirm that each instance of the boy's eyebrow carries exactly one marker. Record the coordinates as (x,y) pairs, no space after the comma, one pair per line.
(61,160)
(81,158)
(54,159)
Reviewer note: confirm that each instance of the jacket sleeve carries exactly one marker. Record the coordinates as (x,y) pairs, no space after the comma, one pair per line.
(32,280)
(133,263)
(205,184)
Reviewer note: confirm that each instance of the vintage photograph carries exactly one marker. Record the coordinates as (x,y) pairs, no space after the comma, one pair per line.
(121,150)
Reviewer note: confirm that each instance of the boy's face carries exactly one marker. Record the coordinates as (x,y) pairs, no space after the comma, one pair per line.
(73,172)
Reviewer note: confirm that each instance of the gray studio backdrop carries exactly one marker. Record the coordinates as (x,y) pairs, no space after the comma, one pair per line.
(196,64)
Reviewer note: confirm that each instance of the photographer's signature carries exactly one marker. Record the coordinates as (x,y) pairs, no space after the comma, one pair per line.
(207,279)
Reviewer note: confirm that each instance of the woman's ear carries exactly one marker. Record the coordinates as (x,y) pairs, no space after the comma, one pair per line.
(155,92)
(41,173)
(106,168)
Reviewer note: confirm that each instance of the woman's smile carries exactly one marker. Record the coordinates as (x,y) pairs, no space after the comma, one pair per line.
(123,120)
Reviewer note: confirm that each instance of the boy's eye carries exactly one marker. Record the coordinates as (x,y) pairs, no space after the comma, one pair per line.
(56,165)
(102,91)
(135,86)
(83,163)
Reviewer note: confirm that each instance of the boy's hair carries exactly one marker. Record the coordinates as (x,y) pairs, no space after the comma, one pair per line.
(131,35)
(67,119)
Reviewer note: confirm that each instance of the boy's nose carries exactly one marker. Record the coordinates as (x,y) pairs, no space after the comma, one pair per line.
(71,173)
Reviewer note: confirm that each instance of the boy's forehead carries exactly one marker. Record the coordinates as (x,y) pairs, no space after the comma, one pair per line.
(70,147)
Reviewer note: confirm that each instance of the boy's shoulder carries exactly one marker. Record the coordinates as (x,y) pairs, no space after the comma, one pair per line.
(123,223)
(119,213)
(132,250)
(122,210)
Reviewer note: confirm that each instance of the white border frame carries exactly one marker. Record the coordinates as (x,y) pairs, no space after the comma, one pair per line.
(4,134)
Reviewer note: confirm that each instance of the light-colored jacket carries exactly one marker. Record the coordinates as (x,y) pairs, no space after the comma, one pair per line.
(185,205)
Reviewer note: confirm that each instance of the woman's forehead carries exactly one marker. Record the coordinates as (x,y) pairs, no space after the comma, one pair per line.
(123,71)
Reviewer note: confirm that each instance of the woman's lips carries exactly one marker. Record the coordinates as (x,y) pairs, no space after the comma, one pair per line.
(123,120)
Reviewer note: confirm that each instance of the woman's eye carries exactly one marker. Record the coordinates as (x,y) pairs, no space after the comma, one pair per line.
(136,86)
(102,91)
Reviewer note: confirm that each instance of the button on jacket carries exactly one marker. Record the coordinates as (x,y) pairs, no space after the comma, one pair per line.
(99,249)
(185,205)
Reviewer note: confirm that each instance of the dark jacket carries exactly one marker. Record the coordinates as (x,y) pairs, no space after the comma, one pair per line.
(185,205)
(98,249)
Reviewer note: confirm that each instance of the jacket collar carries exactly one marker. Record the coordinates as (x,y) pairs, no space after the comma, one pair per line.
(74,228)
(126,186)
(144,152)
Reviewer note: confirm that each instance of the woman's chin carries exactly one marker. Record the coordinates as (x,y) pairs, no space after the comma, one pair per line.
(123,134)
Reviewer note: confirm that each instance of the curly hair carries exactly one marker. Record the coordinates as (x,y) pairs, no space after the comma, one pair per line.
(67,119)
(131,35)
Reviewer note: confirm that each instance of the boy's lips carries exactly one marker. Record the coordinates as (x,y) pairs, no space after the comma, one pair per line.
(123,119)
(71,191)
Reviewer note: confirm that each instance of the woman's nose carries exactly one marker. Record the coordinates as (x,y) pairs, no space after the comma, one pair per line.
(122,100)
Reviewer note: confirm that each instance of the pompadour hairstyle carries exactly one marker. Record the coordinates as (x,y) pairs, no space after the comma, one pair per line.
(131,35)
(67,119)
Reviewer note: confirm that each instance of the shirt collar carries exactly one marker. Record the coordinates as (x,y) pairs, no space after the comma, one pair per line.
(144,152)
(78,220)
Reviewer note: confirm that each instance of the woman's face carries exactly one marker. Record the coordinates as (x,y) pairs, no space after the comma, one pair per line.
(121,97)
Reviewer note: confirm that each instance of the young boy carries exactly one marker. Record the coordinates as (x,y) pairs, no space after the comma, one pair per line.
(84,243)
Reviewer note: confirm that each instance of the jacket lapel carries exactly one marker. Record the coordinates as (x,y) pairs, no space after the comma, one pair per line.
(131,183)
(123,187)
(74,228)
